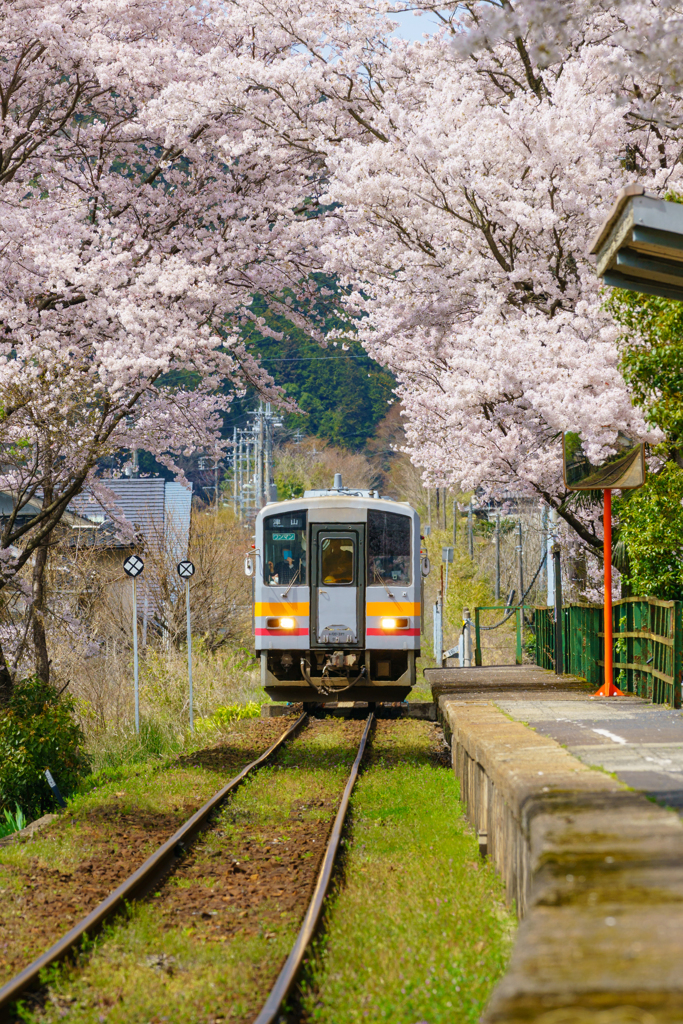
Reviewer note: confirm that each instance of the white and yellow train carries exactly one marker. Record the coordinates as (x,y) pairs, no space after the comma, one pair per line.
(337,596)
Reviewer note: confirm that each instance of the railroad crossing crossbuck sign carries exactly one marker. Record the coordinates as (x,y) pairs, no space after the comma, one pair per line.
(185,569)
(133,566)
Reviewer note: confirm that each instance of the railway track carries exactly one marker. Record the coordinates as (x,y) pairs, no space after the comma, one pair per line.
(288,974)
(140,882)
(162,863)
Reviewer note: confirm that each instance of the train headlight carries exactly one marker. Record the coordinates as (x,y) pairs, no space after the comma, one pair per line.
(391,624)
(285,623)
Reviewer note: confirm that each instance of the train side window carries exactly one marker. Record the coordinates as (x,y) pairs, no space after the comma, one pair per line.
(284,542)
(336,561)
(388,547)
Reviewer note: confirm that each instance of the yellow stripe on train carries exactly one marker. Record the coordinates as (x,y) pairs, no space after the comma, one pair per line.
(281,608)
(392,608)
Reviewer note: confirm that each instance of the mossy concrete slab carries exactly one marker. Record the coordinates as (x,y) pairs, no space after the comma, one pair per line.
(596,871)
(504,681)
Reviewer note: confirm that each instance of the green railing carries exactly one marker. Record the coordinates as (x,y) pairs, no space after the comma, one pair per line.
(648,645)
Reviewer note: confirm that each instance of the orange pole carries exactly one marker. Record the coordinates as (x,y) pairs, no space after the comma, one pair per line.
(608,689)
(607,551)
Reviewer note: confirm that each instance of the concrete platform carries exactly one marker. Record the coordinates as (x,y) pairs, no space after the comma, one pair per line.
(595,868)
(494,680)
(640,742)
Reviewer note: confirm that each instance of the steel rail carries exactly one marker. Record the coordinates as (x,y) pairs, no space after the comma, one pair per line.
(141,881)
(287,976)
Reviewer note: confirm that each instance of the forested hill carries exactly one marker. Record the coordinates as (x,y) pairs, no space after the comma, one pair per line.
(344,393)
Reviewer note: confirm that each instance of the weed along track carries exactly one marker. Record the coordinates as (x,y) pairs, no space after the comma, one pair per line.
(221,916)
(414,923)
(52,896)
(416,927)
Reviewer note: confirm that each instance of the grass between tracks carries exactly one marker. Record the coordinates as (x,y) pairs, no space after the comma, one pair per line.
(417,930)
(206,946)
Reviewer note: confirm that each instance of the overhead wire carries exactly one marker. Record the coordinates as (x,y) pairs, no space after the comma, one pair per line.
(524,595)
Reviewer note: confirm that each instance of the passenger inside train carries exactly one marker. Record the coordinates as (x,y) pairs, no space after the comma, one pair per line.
(388,547)
(337,561)
(284,561)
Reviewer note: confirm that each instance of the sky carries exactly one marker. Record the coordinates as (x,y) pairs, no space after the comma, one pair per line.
(413,28)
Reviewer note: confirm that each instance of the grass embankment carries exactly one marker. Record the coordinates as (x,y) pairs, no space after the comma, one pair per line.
(206,947)
(418,930)
(107,831)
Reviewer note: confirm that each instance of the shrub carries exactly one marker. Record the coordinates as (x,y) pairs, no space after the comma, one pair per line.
(224,717)
(12,822)
(651,527)
(38,730)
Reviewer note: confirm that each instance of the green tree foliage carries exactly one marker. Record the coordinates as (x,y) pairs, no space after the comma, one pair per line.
(651,528)
(343,392)
(38,730)
(652,357)
(651,518)
(311,466)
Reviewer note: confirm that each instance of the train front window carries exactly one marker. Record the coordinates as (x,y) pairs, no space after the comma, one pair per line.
(388,548)
(336,561)
(284,558)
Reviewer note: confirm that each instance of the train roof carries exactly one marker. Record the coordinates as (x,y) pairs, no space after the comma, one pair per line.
(338,500)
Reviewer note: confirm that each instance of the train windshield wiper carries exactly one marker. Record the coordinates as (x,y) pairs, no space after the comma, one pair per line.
(295,577)
(379,576)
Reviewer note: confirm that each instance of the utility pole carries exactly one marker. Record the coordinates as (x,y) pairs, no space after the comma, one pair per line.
(215,480)
(260,501)
(559,656)
(240,476)
(446,558)
(234,468)
(438,523)
(550,561)
(470,533)
(249,476)
(497,556)
(269,452)
(438,631)
(467,639)
(520,555)
(429,507)
(455,522)
(543,575)
(520,552)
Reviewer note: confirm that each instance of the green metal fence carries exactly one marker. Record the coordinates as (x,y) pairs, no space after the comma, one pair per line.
(648,645)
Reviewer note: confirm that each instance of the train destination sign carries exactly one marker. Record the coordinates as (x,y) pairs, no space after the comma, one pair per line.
(623,472)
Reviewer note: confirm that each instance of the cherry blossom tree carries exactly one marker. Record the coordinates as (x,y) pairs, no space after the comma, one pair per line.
(138,217)
(466,176)
(161,162)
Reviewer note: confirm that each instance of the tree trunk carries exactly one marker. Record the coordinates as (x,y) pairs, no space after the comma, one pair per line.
(6,681)
(42,661)
(39,639)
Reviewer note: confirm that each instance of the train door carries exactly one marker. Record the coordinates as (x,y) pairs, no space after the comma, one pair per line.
(338,585)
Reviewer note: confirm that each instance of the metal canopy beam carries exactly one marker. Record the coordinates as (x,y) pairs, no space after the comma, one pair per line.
(639,246)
